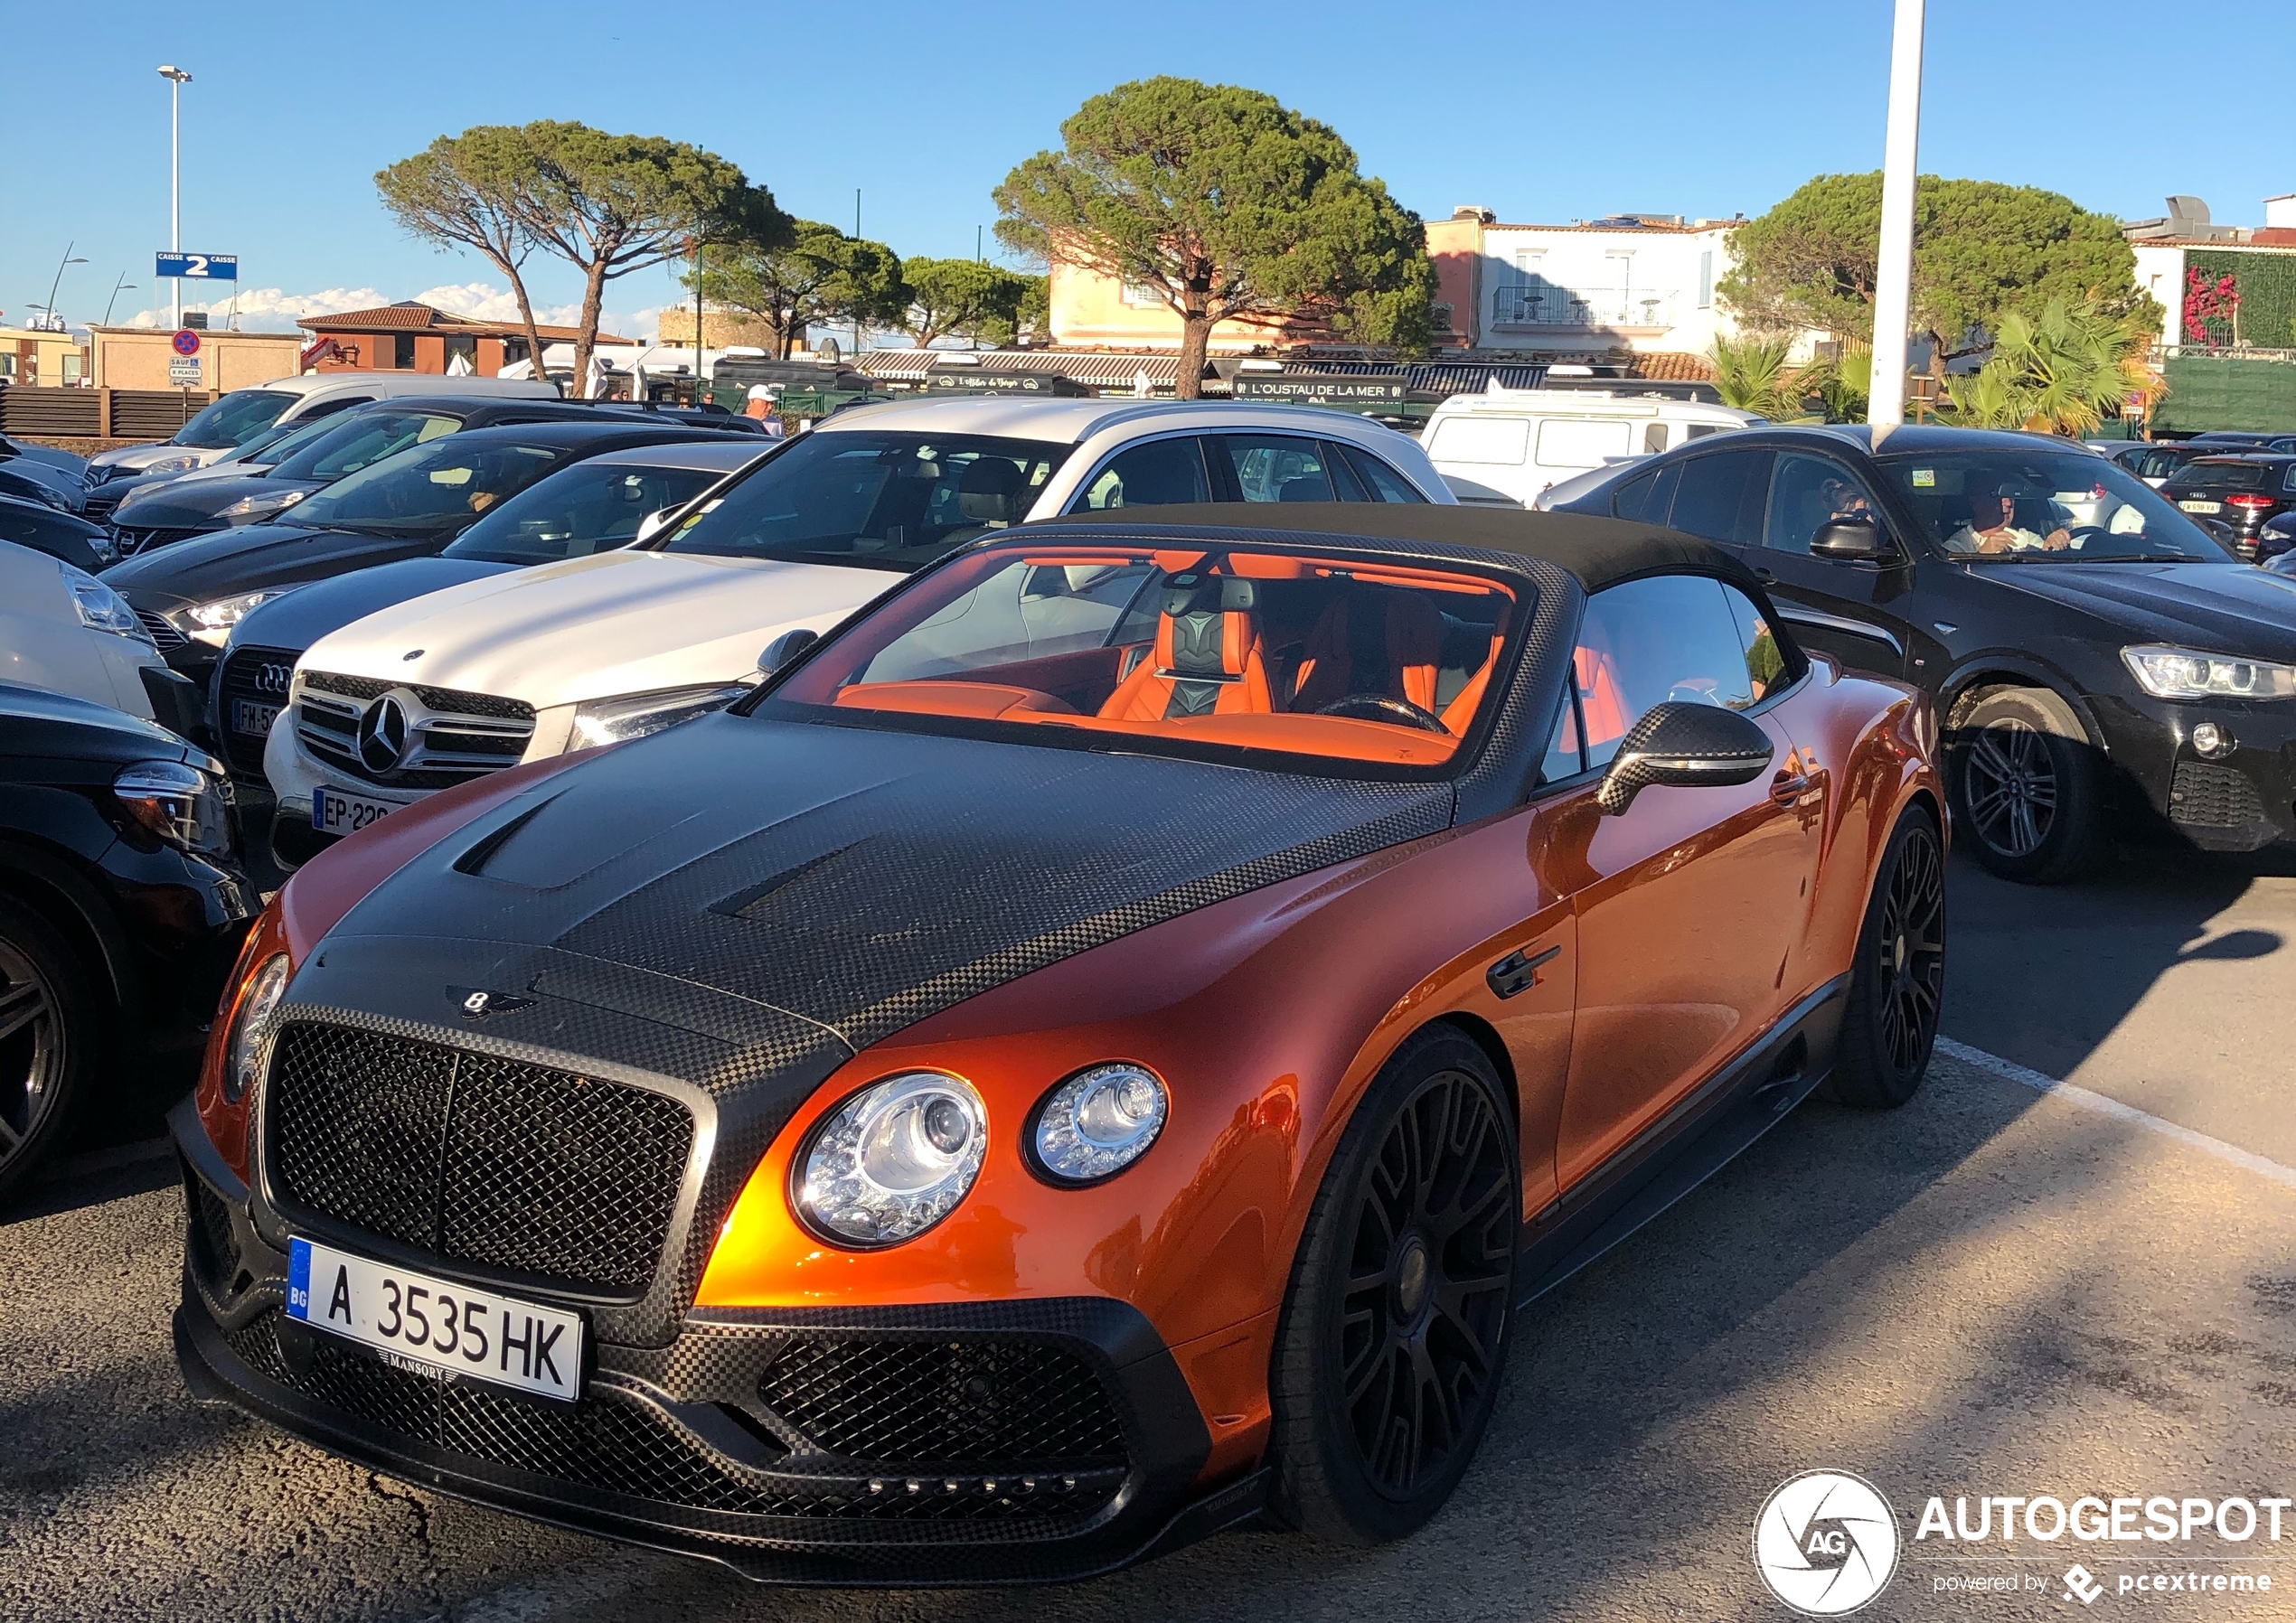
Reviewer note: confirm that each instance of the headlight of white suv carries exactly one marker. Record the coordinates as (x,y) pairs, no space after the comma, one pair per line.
(893,1160)
(101,609)
(169,464)
(634,714)
(2168,672)
(211,622)
(262,506)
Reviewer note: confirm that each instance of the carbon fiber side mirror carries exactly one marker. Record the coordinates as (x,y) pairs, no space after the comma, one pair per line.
(1683,746)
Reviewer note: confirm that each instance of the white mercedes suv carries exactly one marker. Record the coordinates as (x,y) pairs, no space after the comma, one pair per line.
(445,687)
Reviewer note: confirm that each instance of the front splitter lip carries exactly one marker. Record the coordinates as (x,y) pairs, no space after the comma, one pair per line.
(216,1375)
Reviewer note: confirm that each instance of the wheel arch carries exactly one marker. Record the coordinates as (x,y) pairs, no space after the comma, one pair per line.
(1485,1037)
(76,909)
(1965,686)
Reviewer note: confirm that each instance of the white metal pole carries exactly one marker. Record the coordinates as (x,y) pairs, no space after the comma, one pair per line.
(1893,287)
(175,185)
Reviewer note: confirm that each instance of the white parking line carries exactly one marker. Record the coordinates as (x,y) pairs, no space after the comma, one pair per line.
(2008,1070)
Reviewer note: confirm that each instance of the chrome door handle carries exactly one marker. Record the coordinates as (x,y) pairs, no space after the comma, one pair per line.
(1788,787)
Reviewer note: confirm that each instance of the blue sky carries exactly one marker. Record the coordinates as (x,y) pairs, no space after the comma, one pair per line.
(1542,111)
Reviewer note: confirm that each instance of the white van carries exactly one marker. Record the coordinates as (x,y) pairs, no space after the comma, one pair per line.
(1502,448)
(239,416)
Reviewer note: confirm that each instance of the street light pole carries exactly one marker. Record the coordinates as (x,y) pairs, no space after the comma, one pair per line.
(59,282)
(117,287)
(1894,282)
(177,78)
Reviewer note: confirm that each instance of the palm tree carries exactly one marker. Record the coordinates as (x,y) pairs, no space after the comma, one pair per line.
(2056,374)
(1751,373)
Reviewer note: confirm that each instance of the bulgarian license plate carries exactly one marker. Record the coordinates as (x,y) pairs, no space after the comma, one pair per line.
(252,720)
(2202,506)
(434,1327)
(340,812)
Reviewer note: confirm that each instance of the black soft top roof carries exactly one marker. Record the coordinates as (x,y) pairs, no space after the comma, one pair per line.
(1597,551)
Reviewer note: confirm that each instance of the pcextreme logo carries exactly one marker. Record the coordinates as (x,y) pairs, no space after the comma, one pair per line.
(1826,1543)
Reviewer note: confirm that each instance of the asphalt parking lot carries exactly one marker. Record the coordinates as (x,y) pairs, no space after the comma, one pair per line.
(1998,1290)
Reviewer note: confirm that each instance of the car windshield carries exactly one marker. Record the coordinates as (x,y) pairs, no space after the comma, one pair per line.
(1290,658)
(275,444)
(427,489)
(2230,475)
(588,507)
(2043,505)
(353,442)
(875,500)
(233,420)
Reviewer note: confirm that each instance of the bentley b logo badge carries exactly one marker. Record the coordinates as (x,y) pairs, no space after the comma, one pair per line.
(476,1004)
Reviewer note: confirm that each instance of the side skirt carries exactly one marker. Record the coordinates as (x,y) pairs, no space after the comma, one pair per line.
(1686,1145)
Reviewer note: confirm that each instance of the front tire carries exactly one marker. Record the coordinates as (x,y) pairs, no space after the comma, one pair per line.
(1394,1331)
(1897,980)
(2029,791)
(50,1029)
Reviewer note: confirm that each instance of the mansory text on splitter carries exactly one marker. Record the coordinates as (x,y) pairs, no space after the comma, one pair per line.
(1093,1051)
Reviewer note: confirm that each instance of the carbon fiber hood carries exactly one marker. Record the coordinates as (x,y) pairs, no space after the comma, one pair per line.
(737,873)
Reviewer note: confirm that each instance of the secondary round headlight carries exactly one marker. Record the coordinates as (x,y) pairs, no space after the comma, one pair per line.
(894,1160)
(253,1028)
(1099,1121)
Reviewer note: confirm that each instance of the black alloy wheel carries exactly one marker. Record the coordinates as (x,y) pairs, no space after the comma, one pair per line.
(2009,784)
(1897,980)
(2027,787)
(41,1041)
(1394,1329)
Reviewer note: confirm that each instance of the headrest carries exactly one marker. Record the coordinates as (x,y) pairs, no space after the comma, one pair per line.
(1194,593)
(987,490)
(1207,629)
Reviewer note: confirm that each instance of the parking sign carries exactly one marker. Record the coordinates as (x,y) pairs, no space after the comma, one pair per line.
(186,343)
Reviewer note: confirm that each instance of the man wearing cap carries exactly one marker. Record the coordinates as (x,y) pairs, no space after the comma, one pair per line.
(1992,528)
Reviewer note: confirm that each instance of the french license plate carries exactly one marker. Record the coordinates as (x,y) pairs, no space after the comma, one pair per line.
(252,720)
(2202,506)
(340,812)
(435,1327)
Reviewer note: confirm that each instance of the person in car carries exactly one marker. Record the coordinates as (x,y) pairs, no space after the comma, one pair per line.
(1992,528)
(1845,503)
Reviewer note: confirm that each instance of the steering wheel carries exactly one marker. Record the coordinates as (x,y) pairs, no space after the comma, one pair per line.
(1377,707)
(2081,535)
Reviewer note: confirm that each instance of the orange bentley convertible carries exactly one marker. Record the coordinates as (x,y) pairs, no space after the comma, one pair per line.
(1094,1051)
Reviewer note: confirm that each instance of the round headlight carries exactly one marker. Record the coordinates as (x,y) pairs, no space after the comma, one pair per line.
(894,1160)
(251,1030)
(1099,1121)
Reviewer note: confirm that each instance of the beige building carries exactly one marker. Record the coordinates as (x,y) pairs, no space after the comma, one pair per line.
(35,358)
(720,330)
(141,358)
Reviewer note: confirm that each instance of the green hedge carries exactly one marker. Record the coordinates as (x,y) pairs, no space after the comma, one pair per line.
(2215,391)
(2267,285)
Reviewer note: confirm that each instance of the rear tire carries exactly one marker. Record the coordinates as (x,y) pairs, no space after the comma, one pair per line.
(2029,791)
(1394,1331)
(1897,979)
(51,1030)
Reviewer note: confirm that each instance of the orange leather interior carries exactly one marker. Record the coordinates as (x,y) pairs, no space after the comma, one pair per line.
(1599,699)
(1463,704)
(952,698)
(1207,658)
(1402,649)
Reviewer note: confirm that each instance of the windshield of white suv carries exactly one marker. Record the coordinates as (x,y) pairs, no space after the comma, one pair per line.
(590,507)
(353,442)
(233,420)
(2044,506)
(427,489)
(872,499)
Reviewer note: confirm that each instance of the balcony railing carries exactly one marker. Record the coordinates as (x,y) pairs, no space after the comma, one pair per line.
(1552,306)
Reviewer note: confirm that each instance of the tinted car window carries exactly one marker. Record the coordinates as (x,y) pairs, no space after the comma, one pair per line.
(2038,505)
(1564,758)
(1665,637)
(1807,494)
(1770,663)
(590,507)
(2224,477)
(1157,473)
(1649,496)
(1712,490)
(877,499)
(1383,482)
(350,446)
(429,488)
(236,418)
(1278,468)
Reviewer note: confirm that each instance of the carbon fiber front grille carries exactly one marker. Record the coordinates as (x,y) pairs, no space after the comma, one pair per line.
(2205,796)
(972,1402)
(612,1443)
(456,735)
(218,1260)
(256,677)
(473,1158)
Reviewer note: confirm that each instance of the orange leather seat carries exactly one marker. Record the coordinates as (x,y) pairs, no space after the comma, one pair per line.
(1207,660)
(1372,640)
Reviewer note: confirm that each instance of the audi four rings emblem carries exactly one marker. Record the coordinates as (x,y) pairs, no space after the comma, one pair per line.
(271,677)
(384,734)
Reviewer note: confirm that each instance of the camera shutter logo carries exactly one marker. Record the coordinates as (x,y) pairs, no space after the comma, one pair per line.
(1826,1543)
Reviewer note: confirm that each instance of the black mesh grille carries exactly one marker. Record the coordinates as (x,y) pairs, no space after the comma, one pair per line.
(453,700)
(254,676)
(617,1446)
(475,1159)
(216,1252)
(966,1402)
(2214,797)
(141,538)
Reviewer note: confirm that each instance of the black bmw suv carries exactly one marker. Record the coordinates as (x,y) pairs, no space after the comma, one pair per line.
(2099,662)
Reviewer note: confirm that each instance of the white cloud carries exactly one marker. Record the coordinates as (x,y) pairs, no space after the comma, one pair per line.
(274,310)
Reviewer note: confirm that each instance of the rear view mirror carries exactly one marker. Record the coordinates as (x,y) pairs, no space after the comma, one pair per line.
(1683,746)
(1850,541)
(786,648)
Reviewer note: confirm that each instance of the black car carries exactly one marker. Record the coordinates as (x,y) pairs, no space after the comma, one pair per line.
(410,505)
(34,524)
(2156,462)
(122,904)
(176,510)
(2242,493)
(2099,662)
(45,486)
